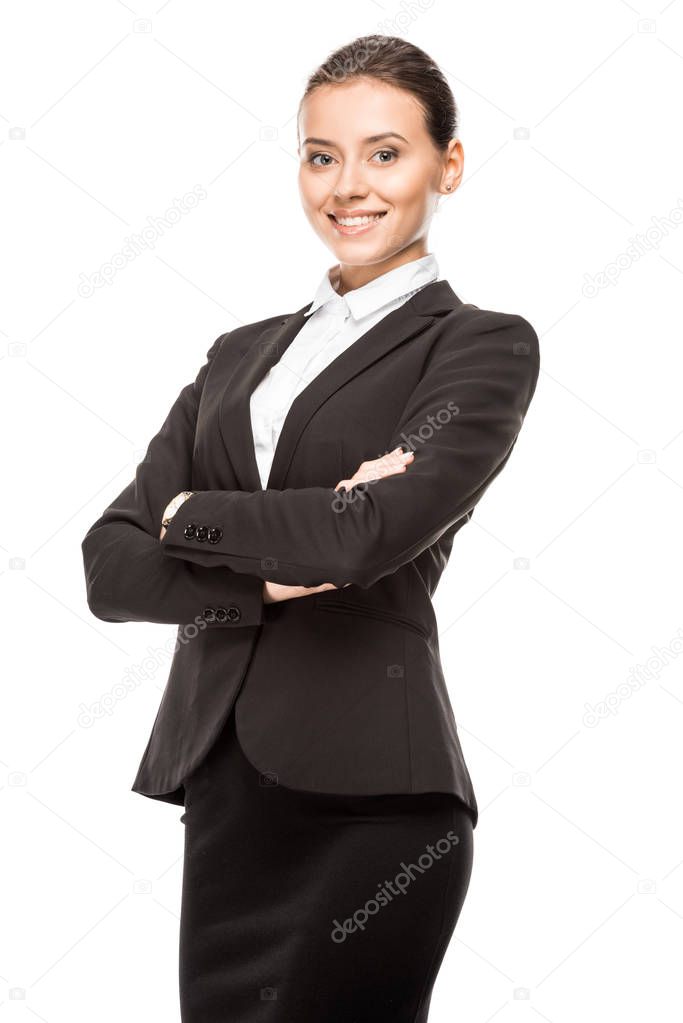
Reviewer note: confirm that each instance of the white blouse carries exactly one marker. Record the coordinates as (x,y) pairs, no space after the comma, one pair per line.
(333,323)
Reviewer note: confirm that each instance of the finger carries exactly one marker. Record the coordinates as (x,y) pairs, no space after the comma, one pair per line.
(376,471)
(384,470)
(395,459)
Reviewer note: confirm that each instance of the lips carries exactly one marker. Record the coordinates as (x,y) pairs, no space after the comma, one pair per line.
(377,213)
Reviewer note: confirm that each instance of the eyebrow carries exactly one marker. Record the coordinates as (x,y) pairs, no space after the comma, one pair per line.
(370,139)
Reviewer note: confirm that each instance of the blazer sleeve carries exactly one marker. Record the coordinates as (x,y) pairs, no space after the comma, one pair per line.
(462,421)
(128,577)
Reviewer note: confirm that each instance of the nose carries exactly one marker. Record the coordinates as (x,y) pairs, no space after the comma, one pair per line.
(350,183)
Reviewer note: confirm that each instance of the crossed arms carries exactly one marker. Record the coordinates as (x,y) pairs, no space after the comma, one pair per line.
(462,421)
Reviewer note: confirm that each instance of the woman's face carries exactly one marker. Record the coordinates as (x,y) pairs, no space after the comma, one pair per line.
(364,149)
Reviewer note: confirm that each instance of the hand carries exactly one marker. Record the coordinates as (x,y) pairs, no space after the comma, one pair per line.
(390,464)
(394,462)
(273,593)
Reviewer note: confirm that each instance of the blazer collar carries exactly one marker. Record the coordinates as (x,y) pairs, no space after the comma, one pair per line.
(398,326)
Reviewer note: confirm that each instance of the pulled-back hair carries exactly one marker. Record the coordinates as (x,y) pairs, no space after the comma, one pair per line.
(396,62)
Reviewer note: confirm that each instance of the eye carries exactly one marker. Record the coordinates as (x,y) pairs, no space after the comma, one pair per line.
(388,152)
(315,157)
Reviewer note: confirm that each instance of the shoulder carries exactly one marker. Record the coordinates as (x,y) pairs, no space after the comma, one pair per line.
(488,345)
(468,320)
(490,332)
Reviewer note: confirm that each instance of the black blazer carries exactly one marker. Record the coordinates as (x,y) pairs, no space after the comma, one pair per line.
(340,691)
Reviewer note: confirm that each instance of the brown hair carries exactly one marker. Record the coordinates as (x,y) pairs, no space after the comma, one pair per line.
(399,63)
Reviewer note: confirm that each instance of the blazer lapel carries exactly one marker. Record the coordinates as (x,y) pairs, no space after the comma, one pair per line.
(402,324)
(234,415)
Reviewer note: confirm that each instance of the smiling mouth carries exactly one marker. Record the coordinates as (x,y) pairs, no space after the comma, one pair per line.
(357,221)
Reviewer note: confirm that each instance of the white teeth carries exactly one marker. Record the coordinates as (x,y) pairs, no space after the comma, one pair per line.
(357,221)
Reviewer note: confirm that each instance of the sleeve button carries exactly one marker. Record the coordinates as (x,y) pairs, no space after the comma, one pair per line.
(209,614)
(234,613)
(215,534)
(189,531)
(201,534)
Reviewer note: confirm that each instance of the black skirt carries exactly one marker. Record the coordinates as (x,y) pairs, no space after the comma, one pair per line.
(301,907)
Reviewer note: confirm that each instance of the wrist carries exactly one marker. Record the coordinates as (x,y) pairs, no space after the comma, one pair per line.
(173,506)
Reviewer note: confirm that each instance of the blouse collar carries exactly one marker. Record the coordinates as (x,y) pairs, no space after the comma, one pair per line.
(409,277)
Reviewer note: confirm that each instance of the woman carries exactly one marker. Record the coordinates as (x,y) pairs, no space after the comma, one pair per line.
(293,517)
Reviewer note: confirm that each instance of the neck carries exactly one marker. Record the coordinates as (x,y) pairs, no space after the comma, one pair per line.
(347,277)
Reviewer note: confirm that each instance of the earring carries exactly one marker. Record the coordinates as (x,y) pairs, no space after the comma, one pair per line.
(448,187)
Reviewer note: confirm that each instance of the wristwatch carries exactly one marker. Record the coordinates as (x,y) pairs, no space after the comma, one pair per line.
(172,506)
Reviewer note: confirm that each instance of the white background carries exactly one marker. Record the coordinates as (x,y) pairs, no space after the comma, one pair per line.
(565,586)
